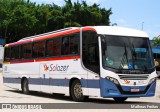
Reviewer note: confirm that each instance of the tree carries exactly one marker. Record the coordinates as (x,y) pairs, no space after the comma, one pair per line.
(156,42)
(22,18)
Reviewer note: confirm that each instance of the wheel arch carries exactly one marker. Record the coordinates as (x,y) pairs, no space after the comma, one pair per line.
(71,81)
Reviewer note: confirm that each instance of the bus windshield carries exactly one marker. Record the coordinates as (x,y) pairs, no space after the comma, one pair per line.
(126,53)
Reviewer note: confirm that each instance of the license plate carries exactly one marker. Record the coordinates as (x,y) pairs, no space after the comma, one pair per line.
(134,90)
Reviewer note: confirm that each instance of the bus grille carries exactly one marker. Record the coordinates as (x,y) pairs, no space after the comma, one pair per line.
(134,77)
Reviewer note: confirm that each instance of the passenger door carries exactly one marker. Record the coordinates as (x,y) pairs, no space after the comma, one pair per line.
(90,57)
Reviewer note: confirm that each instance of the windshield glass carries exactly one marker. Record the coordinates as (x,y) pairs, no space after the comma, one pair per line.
(126,53)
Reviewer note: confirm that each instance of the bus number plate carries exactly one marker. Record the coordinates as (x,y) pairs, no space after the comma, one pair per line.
(134,90)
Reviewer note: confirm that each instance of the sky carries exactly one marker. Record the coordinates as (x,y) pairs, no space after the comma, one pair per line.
(137,14)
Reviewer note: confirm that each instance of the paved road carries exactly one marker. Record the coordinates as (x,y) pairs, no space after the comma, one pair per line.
(8,95)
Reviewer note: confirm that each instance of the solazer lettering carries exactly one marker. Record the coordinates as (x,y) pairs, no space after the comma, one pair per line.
(58,67)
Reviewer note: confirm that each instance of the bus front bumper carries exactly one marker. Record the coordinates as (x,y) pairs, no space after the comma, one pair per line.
(110,89)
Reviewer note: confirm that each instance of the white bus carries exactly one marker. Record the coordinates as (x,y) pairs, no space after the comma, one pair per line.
(100,61)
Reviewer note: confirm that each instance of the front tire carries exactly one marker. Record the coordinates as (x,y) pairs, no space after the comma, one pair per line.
(120,99)
(76,91)
(25,88)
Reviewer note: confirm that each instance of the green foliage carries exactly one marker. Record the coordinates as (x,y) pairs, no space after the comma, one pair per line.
(22,18)
(156,42)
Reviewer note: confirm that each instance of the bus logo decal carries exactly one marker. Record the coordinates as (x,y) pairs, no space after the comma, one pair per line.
(46,68)
(126,81)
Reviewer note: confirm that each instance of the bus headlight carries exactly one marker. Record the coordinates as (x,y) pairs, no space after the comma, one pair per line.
(152,80)
(112,80)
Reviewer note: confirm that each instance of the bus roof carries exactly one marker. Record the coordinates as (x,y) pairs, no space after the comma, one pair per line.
(49,33)
(45,36)
(107,30)
(114,30)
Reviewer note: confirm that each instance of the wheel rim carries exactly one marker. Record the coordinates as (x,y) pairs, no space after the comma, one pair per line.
(77,90)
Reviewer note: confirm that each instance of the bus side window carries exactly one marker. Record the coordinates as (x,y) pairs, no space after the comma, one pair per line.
(38,49)
(56,46)
(49,48)
(7,54)
(74,40)
(70,44)
(18,52)
(26,51)
(65,46)
(15,52)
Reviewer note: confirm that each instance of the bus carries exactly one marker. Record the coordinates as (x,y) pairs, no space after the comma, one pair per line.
(156,55)
(81,62)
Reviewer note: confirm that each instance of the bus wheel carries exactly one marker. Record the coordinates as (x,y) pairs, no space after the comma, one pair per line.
(120,99)
(76,91)
(25,88)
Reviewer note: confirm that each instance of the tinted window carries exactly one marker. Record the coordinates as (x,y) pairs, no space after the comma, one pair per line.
(49,48)
(18,52)
(7,54)
(38,49)
(53,47)
(65,46)
(15,52)
(90,51)
(26,51)
(70,44)
(56,46)
(74,40)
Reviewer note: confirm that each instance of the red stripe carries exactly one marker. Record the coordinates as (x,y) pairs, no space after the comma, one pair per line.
(22,61)
(88,28)
(57,58)
(44,59)
(45,37)
(20,42)
(63,33)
